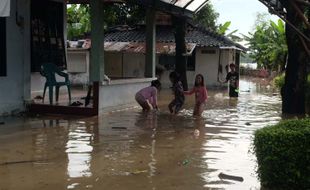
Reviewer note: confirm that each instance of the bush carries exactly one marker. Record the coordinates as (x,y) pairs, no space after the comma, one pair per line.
(283,155)
(279,80)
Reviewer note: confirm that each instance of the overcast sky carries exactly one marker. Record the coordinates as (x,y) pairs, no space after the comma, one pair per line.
(241,13)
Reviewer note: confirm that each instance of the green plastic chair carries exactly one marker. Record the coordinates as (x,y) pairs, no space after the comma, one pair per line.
(49,71)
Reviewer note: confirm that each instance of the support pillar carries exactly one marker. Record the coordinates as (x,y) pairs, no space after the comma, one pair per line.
(150,43)
(97,41)
(180,49)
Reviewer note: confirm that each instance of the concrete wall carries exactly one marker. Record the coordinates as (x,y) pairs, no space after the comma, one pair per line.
(121,93)
(15,87)
(78,75)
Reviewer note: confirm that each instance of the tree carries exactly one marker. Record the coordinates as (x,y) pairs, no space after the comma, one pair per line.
(223,28)
(207,17)
(267,44)
(293,92)
(78,20)
(115,14)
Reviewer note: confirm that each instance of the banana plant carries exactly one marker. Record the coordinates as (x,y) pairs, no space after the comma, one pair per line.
(223,28)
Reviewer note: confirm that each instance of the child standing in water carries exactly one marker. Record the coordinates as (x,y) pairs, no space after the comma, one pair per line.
(177,88)
(201,95)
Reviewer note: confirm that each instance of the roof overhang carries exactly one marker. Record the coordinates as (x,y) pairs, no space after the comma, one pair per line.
(184,8)
(88,1)
(138,47)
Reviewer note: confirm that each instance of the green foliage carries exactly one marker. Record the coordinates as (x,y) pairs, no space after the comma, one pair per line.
(245,58)
(279,80)
(114,14)
(207,17)
(283,155)
(78,20)
(123,14)
(224,27)
(268,44)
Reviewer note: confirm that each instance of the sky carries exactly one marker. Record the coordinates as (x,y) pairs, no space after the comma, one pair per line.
(241,13)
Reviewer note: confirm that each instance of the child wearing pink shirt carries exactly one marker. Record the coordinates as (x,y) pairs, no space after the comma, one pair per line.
(201,95)
(147,97)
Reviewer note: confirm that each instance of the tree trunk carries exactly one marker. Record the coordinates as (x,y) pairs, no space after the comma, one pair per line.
(180,49)
(293,92)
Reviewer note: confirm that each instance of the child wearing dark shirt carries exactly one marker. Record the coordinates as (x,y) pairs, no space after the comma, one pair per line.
(177,88)
(233,78)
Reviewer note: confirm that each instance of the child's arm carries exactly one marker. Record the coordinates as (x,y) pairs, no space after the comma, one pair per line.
(154,102)
(190,92)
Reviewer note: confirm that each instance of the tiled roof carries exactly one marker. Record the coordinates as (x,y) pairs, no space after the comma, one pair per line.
(164,34)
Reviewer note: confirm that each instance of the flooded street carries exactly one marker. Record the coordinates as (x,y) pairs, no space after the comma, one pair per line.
(128,149)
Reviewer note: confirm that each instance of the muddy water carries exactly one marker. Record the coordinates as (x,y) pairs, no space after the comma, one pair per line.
(128,149)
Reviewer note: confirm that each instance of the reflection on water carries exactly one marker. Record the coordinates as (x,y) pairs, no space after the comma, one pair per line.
(128,149)
(79,152)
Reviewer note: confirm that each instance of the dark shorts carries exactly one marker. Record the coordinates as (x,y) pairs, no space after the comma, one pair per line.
(177,103)
(232,92)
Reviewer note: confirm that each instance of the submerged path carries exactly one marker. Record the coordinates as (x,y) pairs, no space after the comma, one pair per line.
(128,149)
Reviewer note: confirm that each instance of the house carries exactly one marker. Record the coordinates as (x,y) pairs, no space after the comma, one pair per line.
(30,36)
(207,53)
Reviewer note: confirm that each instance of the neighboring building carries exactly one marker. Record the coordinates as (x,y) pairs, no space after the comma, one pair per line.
(208,53)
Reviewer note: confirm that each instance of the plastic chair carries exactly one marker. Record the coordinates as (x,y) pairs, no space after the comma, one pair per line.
(49,71)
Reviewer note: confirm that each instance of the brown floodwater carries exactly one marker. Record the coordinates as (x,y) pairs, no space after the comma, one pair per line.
(128,149)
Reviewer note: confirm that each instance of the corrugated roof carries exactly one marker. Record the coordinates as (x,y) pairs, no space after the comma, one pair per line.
(139,47)
(164,34)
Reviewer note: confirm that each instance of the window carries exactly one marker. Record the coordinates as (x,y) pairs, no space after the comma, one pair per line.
(167,61)
(208,51)
(47,39)
(2,47)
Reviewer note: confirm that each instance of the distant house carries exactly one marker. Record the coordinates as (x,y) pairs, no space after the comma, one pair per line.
(207,53)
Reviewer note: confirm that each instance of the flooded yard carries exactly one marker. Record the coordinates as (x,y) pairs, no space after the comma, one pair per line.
(128,149)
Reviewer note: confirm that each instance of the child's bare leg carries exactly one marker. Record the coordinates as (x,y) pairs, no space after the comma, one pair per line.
(171,105)
(178,107)
(146,106)
(198,109)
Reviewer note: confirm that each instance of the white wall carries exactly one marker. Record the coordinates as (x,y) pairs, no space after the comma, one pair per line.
(78,67)
(120,93)
(207,65)
(15,87)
